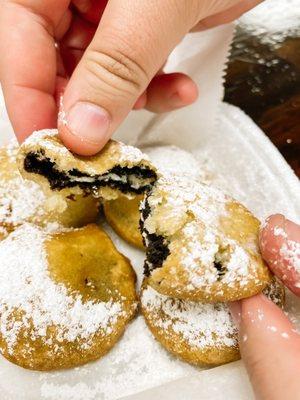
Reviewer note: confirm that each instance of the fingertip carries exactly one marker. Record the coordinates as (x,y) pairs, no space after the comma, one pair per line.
(78,145)
(258,312)
(84,128)
(266,327)
(30,110)
(271,236)
(91,10)
(167,92)
(272,221)
(269,346)
(280,247)
(187,90)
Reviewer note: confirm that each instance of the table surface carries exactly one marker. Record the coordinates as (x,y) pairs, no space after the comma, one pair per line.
(264,81)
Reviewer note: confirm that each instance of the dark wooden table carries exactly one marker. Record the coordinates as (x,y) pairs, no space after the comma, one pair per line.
(264,81)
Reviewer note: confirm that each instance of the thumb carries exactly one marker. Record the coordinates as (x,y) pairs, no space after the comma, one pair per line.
(132,42)
(270,348)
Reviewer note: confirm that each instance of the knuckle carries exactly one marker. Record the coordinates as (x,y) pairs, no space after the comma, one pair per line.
(116,70)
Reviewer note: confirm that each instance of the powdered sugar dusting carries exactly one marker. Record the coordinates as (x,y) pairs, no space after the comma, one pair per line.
(180,197)
(125,154)
(207,252)
(62,116)
(278,231)
(26,286)
(171,160)
(131,154)
(80,391)
(41,138)
(136,363)
(20,199)
(201,325)
(23,200)
(237,266)
(188,214)
(290,251)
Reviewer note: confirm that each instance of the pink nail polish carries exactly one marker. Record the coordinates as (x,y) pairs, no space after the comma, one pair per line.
(88,122)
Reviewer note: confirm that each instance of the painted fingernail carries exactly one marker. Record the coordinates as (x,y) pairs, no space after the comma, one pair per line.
(88,122)
(235,308)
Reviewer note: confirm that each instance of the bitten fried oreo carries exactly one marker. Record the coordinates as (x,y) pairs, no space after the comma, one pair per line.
(199,333)
(65,298)
(123,215)
(201,244)
(117,169)
(22,200)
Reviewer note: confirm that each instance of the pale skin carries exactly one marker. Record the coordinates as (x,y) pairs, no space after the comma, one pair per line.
(107,58)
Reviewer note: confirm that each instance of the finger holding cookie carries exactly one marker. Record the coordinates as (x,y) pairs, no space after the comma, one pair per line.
(269,342)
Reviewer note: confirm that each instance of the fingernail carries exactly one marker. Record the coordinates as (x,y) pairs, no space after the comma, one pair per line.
(292,230)
(273,228)
(88,122)
(281,226)
(235,308)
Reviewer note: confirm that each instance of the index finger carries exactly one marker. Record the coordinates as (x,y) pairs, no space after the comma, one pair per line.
(280,246)
(28,62)
(270,348)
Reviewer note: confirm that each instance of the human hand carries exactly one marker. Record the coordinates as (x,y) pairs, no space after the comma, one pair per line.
(114,52)
(270,346)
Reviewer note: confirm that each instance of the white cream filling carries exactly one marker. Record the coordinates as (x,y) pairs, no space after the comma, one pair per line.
(134,181)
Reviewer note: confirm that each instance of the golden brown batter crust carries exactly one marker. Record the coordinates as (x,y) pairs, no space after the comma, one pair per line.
(124,216)
(201,244)
(26,201)
(116,170)
(66,303)
(198,333)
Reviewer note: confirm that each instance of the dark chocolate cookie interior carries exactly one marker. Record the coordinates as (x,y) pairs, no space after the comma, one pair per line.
(157,252)
(117,178)
(157,246)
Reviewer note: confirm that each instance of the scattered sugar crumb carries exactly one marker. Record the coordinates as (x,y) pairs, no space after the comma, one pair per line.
(260,314)
(278,231)
(290,251)
(245,338)
(62,117)
(272,328)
